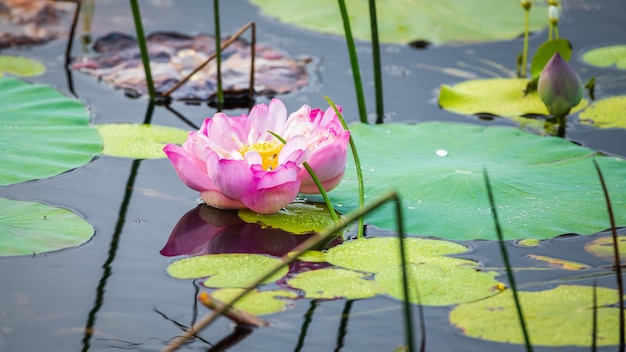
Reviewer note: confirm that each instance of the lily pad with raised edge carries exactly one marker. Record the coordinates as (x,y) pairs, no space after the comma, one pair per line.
(543,186)
(444,282)
(558,317)
(20,66)
(43,132)
(497,96)
(606,113)
(607,56)
(332,283)
(375,254)
(602,247)
(226,270)
(404,21)
(139,141)
(257,302)
(28,228)
(297,218)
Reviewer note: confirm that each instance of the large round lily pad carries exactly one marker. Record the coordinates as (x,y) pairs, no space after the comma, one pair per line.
(225,270)
(28,228)
(558,317)
(543,186)
(497,96)
(43,132)
(403,21)
(607,56)
(606,113)
(139,141)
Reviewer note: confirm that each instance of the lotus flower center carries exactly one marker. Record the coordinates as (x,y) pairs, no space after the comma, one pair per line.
(267,150)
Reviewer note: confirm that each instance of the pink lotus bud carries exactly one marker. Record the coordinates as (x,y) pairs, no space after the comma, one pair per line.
(559,86)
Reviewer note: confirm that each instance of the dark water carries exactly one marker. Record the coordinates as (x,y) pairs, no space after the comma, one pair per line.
(113,293)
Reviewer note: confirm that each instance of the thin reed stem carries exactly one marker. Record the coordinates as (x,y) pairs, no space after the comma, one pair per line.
(526,35)
(594,318)
(507,263)
(143,48)
(354,62)
(357,165)
(408,317)
(378,78)
(616,257)
(218,54)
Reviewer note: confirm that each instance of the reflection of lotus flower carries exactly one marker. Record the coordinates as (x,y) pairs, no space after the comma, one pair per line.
(235,162)
(559,86)
(207,230)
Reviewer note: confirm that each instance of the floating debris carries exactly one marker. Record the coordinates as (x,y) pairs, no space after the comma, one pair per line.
(33,22)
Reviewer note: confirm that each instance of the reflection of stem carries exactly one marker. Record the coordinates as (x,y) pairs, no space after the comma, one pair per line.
(169,108)
(525,52)
(357,165)
(218,54)
(106,272)
(354,62)
(343,326)
(289,258)
(308,317)
(70,37)
(240,333)
(143,48)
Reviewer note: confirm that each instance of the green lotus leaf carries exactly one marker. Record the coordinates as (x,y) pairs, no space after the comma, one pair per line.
(444,282)
(297,218)
(497,96)
(28,228)
(543,186)
(606,113)
(226,270)
(546,51)
(332,283)
(43,132)
(20,66)
(375,254)
(603,247)
(607,56)
(139,141)
(403,21)
(257,302)
(558,317)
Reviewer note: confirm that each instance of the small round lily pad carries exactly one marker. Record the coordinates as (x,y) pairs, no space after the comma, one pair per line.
(226,270)
(20,66)
(257,302)
(332,283)
(28,228)
(607,56)
(139,141)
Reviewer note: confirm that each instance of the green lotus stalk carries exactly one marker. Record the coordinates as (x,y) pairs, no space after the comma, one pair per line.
(378,78)
(357,165)
(329,204)
(218,53)
(354,62)
(526,4)
(143,48)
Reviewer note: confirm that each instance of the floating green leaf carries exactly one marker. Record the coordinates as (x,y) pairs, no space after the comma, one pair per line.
(20,66)
(331,283)
(257,302)
(311,256)
(43,132)
(558,263)
(546,51)
(139,141)
(375,254)
(444,282)
(607,56)
(543,186)
(606,113)
(403,21)
(603,247)
(225,270)
(28,228)
(497,96)
(297,218)
(556,317)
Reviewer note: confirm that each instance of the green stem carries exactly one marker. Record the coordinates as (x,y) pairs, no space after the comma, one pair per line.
(556,31)
(308,168)
(526,34)
(378,78)
(507,263)
(550,31)
(143,48)
(354,62)
(357,165)
(218,53)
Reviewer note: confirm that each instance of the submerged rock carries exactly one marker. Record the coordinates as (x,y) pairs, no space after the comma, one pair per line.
(31,22)
(173,56)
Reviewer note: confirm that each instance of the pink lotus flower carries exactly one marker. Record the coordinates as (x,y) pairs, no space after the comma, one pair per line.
(235,162)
